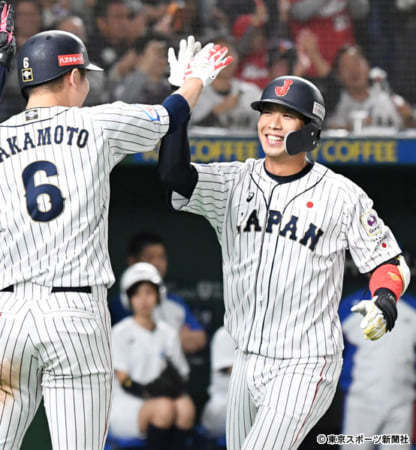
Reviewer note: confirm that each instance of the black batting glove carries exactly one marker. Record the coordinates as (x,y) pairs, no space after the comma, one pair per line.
(387,303)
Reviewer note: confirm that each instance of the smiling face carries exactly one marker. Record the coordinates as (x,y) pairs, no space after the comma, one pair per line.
(274,123)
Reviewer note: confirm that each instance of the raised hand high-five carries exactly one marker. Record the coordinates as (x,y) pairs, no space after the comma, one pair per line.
(192,62)
(187,50)
(208,63)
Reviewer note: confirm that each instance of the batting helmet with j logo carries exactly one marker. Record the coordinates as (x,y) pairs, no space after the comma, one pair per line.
(304,97)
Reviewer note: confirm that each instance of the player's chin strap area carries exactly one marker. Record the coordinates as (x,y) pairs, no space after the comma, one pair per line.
(303,140)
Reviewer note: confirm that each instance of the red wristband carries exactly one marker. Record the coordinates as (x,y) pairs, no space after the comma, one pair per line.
(387,276)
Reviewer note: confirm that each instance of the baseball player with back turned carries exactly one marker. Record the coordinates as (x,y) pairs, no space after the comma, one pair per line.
(55,164)
(284,224)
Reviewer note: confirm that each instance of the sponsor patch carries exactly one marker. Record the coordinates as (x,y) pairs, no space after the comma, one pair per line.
(318,110)
(27,75)
(371,223)
(70,60)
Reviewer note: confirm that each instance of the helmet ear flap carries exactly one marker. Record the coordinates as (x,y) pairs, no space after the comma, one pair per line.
(303,140)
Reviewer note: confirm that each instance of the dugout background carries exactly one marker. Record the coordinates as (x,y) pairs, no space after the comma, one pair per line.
(137,202)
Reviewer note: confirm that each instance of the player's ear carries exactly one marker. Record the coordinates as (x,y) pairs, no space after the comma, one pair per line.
(75,77)
(70,77)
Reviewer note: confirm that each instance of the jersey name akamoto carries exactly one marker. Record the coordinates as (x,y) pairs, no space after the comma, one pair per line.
(44,136)
(289,229)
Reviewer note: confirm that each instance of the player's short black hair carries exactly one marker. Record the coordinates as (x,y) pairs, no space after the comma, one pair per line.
(141,240)
(54,85)
(101,7)
(142,42)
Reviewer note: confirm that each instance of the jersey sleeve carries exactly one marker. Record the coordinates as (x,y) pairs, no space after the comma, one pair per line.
(210,195)
(370,240)
(131,128)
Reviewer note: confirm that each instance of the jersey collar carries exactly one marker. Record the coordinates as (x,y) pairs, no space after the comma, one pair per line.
(288,178)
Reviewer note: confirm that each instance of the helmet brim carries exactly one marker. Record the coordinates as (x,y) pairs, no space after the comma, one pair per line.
(93,67)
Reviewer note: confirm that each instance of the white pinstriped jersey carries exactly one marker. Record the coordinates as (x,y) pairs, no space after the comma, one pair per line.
(55,165)
(283,249)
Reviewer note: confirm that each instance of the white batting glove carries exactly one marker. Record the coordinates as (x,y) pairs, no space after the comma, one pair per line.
(187,49)
(373,323)
(380,313)
(208,63)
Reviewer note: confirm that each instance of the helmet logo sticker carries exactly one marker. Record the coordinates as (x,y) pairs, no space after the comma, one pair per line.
(318,110)
(70,60)
(27,75)
(281,91)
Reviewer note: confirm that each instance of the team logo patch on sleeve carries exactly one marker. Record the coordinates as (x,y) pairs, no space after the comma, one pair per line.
(371,222)
(70,60)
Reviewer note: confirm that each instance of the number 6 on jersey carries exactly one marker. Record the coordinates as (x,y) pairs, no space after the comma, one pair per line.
(33,192)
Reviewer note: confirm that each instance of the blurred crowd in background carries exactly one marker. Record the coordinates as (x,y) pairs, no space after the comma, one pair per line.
(358,52)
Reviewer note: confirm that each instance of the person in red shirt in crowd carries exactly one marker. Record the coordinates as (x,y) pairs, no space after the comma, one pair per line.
(329,21)
(251,43)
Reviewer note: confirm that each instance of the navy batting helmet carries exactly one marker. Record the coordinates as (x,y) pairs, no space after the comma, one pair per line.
(50,54)
(301,96)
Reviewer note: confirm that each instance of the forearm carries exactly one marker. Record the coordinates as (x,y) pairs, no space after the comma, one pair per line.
(130,386)
(393,275)
(174,164)
(134,388)
(180,103)
(193,340)
(190,91)
(305,9)
(322,67)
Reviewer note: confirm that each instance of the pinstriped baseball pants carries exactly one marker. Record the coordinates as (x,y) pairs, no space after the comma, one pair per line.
(56,345)
(274,403)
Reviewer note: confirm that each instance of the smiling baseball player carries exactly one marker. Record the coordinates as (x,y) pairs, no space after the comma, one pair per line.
(55,164)
(284,225)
